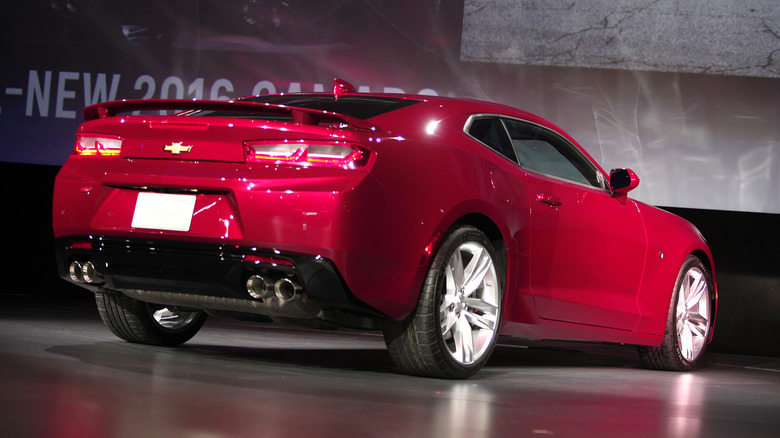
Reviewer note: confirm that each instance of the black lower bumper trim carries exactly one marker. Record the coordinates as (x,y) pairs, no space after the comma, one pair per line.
(202,269)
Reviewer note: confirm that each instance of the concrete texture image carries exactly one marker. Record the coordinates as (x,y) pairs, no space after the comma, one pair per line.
(684,92)
(687,36)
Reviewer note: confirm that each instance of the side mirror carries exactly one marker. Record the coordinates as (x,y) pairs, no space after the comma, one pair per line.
(622,181)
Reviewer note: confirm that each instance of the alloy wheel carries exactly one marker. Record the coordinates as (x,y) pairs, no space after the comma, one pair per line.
(469,309)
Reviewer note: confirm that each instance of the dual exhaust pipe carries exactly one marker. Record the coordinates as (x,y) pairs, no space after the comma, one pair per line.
(84,273)
(257,286)
(261,287)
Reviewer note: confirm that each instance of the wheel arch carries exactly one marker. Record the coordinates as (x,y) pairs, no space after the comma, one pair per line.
(485,224)
(497,238)
(428,342)
(706,259)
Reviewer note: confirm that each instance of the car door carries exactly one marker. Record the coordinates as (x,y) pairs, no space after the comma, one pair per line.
(587,247)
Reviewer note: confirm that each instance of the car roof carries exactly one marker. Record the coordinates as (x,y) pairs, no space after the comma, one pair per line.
(386,102)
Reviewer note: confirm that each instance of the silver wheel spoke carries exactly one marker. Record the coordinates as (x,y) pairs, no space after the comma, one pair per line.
(455,271)
(448,319)
(698,324)
(686,343)
(449,300)
(695,290)
(476,270)
(697,329)
(483,321)
(173,318)
(482,306)
(464,342)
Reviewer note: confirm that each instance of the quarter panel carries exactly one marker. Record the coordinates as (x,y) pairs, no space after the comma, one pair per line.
(404,204)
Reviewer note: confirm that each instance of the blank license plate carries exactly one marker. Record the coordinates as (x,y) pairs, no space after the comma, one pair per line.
(163,211)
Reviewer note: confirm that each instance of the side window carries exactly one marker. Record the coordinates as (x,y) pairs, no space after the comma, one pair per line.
(542,151)
(490,131)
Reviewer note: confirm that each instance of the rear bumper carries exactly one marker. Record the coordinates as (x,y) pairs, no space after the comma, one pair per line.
(345,217)
(211,276)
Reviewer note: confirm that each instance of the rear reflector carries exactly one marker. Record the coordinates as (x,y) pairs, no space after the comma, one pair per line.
(94,145)
(338,155)
(251,258)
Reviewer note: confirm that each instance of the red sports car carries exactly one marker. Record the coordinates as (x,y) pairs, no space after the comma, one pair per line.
(441,222)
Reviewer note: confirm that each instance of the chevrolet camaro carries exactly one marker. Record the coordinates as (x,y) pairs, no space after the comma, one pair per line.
(440,222)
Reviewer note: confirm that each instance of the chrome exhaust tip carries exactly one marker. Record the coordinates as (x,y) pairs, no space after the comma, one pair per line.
(287,290)
(90,274)
(259,287)
(74,270)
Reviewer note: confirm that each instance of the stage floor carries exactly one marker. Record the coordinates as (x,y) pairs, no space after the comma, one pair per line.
(63,374)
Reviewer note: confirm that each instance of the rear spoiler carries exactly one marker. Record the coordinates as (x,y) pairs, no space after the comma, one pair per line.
(304,116)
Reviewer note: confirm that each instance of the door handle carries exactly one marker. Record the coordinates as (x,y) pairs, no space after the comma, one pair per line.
(549,200)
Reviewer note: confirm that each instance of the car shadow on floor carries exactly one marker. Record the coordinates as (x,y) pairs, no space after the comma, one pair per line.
(243,364)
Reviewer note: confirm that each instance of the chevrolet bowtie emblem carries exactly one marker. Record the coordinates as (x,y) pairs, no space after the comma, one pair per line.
(176,148)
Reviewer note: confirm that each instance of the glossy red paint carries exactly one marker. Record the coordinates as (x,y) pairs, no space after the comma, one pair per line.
(581,262)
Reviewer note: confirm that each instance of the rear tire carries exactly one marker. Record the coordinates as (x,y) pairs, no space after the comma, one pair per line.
(454,328)
(689,322)
(144,323)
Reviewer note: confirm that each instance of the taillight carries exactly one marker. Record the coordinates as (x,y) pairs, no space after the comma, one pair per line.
(336,154)
(97,145)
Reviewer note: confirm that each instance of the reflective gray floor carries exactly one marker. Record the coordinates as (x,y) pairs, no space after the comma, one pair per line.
(63,374)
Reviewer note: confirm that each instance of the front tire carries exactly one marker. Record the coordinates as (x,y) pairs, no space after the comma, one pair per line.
(144,323)
(689,322)
(454,328)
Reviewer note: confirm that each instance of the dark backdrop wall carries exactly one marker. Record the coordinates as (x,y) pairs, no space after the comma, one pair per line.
(684,93)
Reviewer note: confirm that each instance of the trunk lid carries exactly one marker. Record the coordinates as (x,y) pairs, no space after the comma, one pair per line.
(218,139)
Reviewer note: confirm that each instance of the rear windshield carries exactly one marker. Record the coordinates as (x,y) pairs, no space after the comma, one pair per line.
(359,107)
